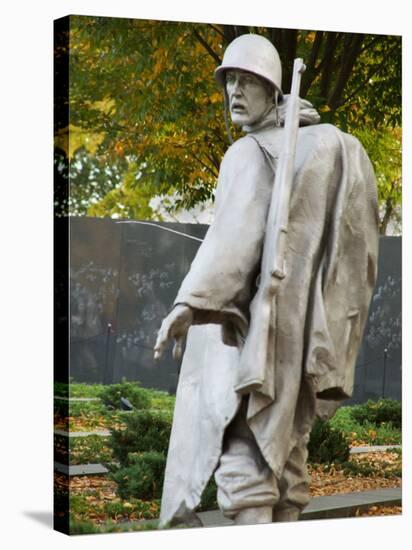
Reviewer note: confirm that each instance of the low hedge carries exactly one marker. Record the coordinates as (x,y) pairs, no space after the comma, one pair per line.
(137,396)
(141,451)
(142,477)
(327,445)
(384,411)
(145,431)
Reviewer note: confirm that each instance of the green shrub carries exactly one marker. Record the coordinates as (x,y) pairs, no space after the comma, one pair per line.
(85,390)
(93,449)
(379,412)
(161,400)
(138,397)
(61,389)
(366,468)
(327,445)
(364,431)
(145,431)
(383,434)
(78,504)
(80,527)
(362,469)
(142,478)
(75,389)
(157,399)
(343,421)
(87,409)
(141,451)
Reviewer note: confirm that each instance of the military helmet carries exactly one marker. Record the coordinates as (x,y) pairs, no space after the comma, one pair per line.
(255,54)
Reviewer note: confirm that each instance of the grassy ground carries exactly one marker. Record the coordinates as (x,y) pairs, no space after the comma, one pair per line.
(96,507)
(365,433)
(95,504)
(363,472)
(87,416)
(82,450)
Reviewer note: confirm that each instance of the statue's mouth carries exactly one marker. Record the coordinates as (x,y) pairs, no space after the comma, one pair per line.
(238,108)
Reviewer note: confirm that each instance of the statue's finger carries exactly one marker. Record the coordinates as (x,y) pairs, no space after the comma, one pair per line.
(158,353)
(160,344)
(177,348)
(163,333)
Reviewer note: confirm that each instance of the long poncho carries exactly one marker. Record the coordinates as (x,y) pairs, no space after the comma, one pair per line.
(322,305)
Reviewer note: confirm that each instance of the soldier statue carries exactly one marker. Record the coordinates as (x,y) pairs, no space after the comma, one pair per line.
(275,302)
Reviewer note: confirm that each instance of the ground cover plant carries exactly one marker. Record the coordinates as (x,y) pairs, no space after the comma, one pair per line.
(327,444)
(101,410)
(76,389)
(98,503)
(372,423)
(138,397)
(136,449)
(383,411)
(361,472)
(86,417)
(82,450)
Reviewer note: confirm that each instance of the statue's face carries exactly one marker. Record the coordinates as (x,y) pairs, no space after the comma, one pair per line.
(249,97)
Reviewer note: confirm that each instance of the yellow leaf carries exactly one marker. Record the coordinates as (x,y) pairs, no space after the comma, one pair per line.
(216,97)
(324,109)
(71,138)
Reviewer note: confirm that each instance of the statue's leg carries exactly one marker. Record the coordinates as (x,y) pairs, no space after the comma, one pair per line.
(294,484)
(247,487)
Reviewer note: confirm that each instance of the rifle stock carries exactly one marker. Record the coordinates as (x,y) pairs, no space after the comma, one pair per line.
(256,373)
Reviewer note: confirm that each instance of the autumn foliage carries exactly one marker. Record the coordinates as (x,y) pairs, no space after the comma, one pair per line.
(143,100)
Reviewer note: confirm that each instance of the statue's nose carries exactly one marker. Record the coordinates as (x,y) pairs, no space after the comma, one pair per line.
(236,88)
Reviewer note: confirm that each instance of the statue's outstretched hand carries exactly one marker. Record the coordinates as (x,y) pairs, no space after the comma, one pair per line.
(175,325)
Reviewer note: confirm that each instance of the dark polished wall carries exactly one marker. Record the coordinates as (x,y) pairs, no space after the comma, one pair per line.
(379,363)
(124,277)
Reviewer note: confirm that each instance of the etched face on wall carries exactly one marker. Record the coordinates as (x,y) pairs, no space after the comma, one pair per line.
(250,98)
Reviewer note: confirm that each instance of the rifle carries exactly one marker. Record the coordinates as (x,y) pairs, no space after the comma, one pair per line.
(254,372)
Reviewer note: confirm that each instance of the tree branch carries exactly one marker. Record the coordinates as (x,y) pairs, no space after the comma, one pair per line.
(383,226)
(290,42)
(215,161)
(229,33)
(375,39)
(359,88)
(207,47)
(312,71)
(327,63)
(241,29)
(200,161)
(216,29)
(352,47)
(276,38)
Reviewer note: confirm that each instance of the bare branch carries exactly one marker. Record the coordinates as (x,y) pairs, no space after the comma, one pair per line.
(214,174)
(229,33)
(352,46)
(360,87)
(215,161)
(327,62)
(275,37)
(210,51)
(241,29)
(290,42)
(219,31)
(312,71)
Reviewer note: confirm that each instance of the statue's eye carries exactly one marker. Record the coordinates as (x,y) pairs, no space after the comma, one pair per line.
(230,78)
